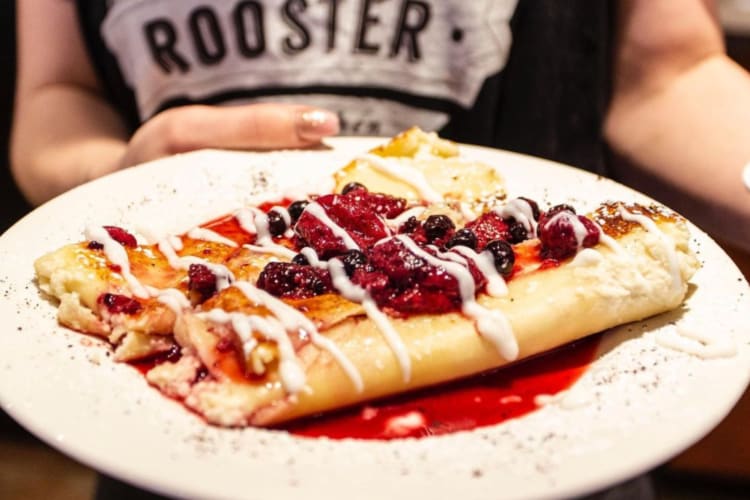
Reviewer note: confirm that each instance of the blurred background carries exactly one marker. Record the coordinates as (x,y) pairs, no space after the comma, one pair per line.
(718,467)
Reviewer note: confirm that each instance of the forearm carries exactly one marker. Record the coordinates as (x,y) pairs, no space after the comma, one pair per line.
(687,142)
(63,135)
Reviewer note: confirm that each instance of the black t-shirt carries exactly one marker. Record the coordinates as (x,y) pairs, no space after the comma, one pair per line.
(526,75)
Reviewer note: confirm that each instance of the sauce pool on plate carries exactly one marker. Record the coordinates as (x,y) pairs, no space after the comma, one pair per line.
(461,406)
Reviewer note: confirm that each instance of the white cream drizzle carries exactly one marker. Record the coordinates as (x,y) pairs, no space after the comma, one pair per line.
(294,320)
(312,257)
(118,256)
(400,219)
(611,243)
(485,262)
(288,317)
(466,211)
(521,211)
(357,294)
(254,221)
(203,234)
(284,213)
(170,297)
(667,243)
(491,324)
(277,250)
(286,217)
(224,276)
(290,371)
(697,342)
(402,172)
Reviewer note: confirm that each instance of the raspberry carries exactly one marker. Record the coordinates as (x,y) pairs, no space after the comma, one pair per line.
(489,227)
(359,220)
(201,280)
(406,283)
(118,234)
(284,279)
(119,304)
(564,232)
(382,204)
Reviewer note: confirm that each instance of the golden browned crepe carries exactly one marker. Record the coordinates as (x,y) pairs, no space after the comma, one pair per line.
(247,358)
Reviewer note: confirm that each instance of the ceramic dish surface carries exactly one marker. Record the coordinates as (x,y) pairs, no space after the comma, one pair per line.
(647,396)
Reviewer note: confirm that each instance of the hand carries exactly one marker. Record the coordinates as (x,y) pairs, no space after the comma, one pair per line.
(251,126)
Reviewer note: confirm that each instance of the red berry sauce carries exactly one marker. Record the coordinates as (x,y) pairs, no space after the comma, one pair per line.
(477,402)
(119,304)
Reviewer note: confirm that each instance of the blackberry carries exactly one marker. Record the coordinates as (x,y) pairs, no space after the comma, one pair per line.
(411,225)
(283,279)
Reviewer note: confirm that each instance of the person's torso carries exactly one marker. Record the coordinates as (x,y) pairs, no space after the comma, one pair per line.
(488,72)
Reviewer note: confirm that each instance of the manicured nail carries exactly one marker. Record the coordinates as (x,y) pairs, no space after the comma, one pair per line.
(315,124)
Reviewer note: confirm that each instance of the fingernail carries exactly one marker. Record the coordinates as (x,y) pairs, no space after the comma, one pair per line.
(317,123)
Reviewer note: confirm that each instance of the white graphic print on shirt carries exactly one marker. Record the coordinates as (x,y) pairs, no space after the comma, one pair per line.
(413,59)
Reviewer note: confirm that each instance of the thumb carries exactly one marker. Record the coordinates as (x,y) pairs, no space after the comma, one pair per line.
(249,127)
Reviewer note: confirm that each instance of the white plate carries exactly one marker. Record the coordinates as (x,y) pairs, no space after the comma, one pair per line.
(639,404)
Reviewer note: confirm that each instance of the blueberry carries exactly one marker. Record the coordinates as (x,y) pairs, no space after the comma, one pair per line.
(463,237)
(296,209)
(276,223)
(517,232)
(436,226)
(353,260)
(352,186)
(300,260)
(559,208)
(503,256)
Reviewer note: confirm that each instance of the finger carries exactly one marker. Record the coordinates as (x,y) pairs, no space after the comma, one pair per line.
(257,126)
